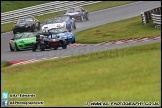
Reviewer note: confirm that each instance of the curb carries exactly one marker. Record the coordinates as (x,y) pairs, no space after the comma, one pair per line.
(20,62)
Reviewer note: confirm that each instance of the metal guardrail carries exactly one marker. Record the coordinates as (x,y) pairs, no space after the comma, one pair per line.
(7,17)
(156,20)
(146,16)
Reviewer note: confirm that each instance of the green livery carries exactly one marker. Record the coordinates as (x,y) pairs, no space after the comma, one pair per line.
(22,41)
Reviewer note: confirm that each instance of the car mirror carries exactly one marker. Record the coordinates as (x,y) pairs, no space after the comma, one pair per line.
(69,30)
(64,13)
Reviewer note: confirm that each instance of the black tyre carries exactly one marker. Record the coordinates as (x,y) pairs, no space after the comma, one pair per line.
(73,41)
(81,18)
(11,49)
(34,47)
(55,47)
(64,45)
(42,47)
(87,17)
(74,26)
(32,28)
(17,49)
(14,32)
(38,27)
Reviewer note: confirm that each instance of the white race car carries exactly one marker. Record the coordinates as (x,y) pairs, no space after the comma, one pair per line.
(53,23)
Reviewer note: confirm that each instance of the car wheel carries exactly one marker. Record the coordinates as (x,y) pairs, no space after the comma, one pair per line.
(14,32)
(34,47)
(87,17)
(11,49)
(38,27)
(42,48)
(17,49)
(74,26)
(32,28)
(81,18)
(55,47)
(73,41)
(64,45)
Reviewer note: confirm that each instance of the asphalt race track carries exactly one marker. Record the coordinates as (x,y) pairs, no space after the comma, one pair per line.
(96,18)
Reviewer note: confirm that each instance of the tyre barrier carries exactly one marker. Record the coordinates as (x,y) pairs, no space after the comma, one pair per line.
(147,17)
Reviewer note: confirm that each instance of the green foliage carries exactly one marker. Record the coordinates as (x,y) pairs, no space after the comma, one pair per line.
(14,5)
(5,64)
(123,29)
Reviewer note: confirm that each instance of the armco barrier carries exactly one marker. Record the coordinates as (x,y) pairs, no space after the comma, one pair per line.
(146,16)
(156,20)
(42,9)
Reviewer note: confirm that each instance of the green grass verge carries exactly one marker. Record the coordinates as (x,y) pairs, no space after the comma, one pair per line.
(123,29)
(14,5)
(93,7)
(5,64)
(128,74)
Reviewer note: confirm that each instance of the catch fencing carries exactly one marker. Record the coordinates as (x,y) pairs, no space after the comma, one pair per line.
(51,7)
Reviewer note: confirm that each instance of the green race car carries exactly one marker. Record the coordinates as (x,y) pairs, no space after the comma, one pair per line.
(22,41)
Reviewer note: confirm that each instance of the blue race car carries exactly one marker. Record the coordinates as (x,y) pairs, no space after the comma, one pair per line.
(70,22)
(62,33)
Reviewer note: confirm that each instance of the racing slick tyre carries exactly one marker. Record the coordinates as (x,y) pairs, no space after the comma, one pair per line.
(87,17)
(14,32)
(17,49)
(64,44)
(11,48)
(42,47)
(32,28)
(81,18)
(34,47)
(38,27)
(55,47)
(74,26)
(73,41)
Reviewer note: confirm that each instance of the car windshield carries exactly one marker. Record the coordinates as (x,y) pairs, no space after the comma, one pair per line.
(24,20)
(65,18)
(57,30)
(29,19)
(71,10)
(23,35)
(21,21)
(56,20)
(77,10)
(49,21)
